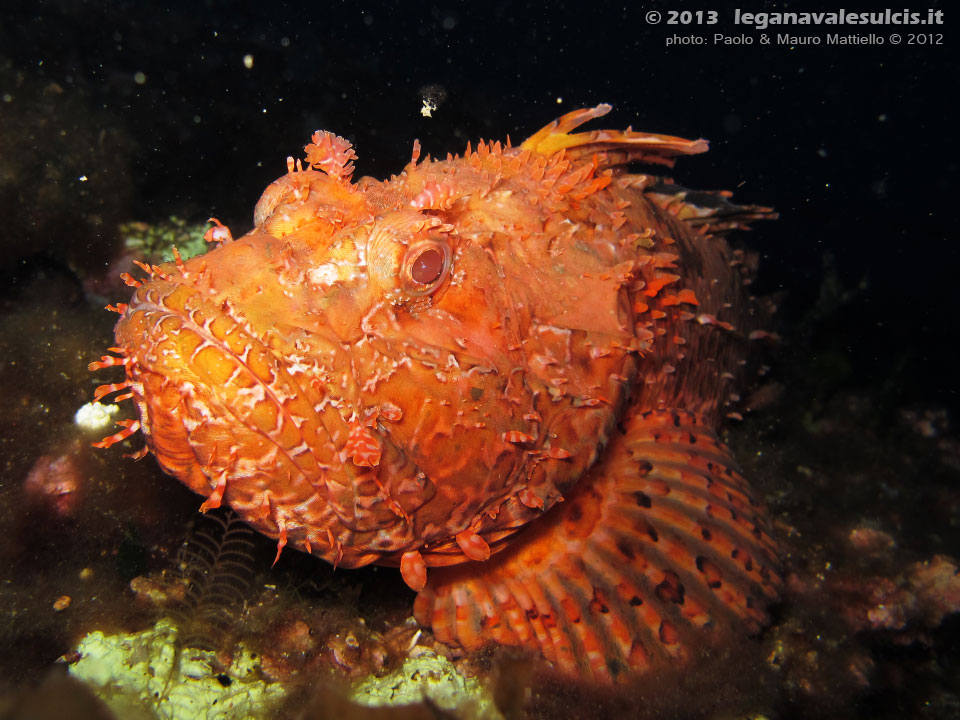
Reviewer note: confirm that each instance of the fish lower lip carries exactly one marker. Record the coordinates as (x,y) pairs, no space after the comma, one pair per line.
(247,425)
(212,373)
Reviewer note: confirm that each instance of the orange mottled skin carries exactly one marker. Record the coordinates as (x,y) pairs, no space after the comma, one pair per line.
(407,372)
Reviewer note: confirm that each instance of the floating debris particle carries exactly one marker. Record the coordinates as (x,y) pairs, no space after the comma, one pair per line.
(62,603)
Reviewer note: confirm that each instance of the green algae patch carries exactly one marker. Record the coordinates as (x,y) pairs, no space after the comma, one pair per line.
(146,675)
(157,240)
(432,678)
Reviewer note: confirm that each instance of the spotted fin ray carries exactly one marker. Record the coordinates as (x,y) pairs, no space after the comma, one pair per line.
(662,540)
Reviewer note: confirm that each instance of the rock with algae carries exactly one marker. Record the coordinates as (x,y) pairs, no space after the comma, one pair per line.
(431,678)
(144,675)
(155,241)
(146,243)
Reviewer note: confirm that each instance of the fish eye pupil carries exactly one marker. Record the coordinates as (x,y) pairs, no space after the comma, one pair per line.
(427,267)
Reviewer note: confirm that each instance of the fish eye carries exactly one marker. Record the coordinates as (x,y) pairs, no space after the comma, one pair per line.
(426,264)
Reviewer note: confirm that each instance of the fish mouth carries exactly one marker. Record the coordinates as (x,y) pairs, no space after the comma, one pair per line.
(222,410)
(216,404)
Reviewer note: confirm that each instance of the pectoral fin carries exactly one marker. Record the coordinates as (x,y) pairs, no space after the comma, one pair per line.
(661,542)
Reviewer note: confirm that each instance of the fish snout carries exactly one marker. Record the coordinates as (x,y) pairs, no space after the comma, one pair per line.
(215,402)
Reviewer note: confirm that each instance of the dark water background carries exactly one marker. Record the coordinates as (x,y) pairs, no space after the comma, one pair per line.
(854,146)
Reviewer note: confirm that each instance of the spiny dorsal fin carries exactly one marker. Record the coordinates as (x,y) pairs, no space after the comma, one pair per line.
(712,211)
(613,147)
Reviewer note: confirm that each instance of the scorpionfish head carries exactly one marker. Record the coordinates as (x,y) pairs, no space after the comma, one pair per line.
(424,364)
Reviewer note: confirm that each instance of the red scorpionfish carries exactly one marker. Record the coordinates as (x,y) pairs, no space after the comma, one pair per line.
(502,372)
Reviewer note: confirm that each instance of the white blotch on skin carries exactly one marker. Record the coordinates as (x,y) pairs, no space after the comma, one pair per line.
(325,275)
